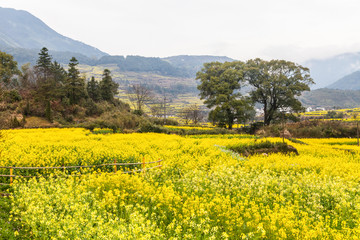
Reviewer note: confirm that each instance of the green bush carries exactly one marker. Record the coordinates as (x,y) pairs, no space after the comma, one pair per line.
(162,121)
(262,147)
(314,129)
(149,127)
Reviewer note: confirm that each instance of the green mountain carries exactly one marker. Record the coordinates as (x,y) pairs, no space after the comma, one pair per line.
(193,64)
(349,82)
(331,98)
(21,30)
(143,64)
(23,35)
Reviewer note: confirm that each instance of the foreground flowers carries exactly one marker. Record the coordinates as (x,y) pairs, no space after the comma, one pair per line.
(201,192)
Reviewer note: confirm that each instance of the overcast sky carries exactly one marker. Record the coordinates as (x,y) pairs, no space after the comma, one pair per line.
(295,30)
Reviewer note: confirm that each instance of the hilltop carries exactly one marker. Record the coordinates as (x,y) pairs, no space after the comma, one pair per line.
(22,30)
(349,82)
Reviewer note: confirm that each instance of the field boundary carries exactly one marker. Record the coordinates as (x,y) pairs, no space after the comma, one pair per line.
(11,175)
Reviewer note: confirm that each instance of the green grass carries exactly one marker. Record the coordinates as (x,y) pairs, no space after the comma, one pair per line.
(260,147)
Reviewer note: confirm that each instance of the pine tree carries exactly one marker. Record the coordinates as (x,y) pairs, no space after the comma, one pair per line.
(60,76)
(44,77)
(93,90)
(108,87)
(75,85)
(43,64)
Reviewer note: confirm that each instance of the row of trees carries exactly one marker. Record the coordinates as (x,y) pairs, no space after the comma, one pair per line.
(48,83)
(274,84)
(55,83)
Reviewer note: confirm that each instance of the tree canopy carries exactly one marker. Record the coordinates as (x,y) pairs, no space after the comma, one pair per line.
(220,87)
(276,84)
(75,85)
(93,90)
(108,88)
(8,68)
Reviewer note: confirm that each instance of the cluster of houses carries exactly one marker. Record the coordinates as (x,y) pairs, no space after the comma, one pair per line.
(310,109)
(260,112)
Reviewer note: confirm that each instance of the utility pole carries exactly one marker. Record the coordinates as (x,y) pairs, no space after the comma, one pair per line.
(357,132)
(164,108)
(283,128)
(357,127)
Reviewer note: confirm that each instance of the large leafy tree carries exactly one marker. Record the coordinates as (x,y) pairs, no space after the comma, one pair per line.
(276,84)
(220,87)
(8,69)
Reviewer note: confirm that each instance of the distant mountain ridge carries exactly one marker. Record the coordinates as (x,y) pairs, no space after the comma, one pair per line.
(20,29)
(327,71)
(349,82)
(192,63)
(23,35)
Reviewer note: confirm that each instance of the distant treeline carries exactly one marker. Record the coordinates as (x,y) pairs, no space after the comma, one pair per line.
(130,63)
(331,98)
(178,66)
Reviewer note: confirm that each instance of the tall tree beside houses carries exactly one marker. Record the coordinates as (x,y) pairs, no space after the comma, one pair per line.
(276,85)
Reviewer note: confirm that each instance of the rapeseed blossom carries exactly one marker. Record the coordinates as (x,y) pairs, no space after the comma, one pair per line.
(201,191)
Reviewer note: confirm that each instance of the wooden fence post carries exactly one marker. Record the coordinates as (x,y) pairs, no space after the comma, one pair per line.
(115,166)
(11,176)
(159,163)
(357,132)
(143,165)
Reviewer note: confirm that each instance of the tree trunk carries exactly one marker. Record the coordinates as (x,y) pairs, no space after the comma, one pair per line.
(266,115)
(230,118)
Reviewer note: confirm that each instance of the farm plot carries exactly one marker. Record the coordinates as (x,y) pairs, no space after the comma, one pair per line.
(202,191)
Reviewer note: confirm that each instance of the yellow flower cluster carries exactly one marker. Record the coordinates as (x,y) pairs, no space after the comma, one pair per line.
(201,192)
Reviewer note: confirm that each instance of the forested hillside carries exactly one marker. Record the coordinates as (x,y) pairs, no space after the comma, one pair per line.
(61,96)
(331,98)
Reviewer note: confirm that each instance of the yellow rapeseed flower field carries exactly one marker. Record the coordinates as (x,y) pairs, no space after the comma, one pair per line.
(202,191)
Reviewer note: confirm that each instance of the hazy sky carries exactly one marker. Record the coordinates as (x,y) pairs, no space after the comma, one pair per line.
(295,30)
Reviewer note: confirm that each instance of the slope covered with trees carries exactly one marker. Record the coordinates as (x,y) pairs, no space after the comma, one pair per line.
(331,98)
(60,95)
